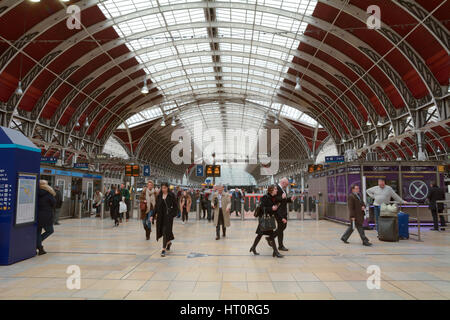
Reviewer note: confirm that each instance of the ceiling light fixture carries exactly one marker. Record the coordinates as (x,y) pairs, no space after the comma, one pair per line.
(144,89)
(276,121)
(86,122)
(163,123)
(298,86)
(174,123)
(19,90)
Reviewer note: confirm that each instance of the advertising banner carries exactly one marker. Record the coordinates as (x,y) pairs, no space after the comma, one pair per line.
(331,185)
(341,188)
(353,178)
(416,186)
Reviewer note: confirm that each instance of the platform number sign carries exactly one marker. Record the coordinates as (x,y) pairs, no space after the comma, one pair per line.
(199,171)
(146,171)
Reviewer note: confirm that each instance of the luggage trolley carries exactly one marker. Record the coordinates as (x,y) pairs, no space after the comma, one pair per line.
(416,218)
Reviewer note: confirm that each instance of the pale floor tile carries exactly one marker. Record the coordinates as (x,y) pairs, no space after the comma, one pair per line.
(156,286)
(305,276)
(277,296)
(145,295)
(339,286)
(118,262)
(234,287)
(115,294)
(130,285)
(315,296)
(261,287)
(193,296)
(313,287)
(258,276)
(281,276)
(139,275)
(286,287)
(238,296)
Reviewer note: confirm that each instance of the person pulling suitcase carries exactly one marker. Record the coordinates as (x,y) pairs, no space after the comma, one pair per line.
(356,208)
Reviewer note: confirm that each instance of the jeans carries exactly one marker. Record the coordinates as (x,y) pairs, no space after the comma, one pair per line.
(42,236)
(376,212)
(146,222)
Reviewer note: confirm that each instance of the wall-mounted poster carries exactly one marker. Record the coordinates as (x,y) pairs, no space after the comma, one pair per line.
(331,185)
(416,186)
(353,178)
(26,198)
(341,188)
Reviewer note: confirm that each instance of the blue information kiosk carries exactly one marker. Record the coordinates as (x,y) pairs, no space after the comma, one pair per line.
(19,173)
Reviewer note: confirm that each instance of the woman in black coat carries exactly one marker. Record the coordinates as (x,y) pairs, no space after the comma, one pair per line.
(166,209)
(46,208)
(114,204)
(269,205)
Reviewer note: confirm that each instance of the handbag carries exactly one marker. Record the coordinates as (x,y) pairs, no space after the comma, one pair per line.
(143,206)
(266,222)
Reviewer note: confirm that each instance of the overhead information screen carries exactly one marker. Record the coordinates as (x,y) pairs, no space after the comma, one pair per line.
(213,171)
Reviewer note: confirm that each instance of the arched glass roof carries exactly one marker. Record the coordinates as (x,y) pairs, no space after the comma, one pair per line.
(191,47)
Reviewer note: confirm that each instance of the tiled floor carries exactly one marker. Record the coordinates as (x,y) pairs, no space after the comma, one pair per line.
(117,263)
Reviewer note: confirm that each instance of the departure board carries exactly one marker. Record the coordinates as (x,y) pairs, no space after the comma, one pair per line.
(213,171)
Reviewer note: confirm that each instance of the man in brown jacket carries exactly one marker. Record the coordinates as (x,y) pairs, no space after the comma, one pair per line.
(356,209)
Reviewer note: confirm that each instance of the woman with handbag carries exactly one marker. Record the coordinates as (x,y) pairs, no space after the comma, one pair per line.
(147,202)
(265,213)
(166,209)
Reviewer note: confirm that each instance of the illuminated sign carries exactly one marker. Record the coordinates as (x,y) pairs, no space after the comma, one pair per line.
(132,170)
(213,171)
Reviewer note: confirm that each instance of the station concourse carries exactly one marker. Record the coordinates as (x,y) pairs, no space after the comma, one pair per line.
(169,131)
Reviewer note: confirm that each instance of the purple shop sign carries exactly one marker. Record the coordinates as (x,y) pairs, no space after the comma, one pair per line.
(416,186)
(380,168)
(341,188)
(331,172)
(340,170)
(331,186)
(354,169)
(418,168)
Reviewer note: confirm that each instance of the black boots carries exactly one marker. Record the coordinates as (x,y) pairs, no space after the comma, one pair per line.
(255,243)
(275,253)
(41,251)
(224,231)
(218,232)
(147,232)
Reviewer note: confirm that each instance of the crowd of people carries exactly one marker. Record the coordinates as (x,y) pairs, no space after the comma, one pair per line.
(162,205)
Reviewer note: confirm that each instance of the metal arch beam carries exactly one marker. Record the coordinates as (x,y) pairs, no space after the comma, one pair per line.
(407,51)
(255,85)
(433,25)
(324,80)
(91,54)
(262,9)
(112,127)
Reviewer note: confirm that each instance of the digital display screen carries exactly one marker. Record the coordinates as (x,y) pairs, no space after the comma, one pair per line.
(213,171)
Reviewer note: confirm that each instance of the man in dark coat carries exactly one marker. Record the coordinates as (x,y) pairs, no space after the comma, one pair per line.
(46,207)
(434,195)
(356,209)
(282,212)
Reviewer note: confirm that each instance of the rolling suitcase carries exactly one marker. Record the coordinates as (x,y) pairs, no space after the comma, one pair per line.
(388,228)
(403,225)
